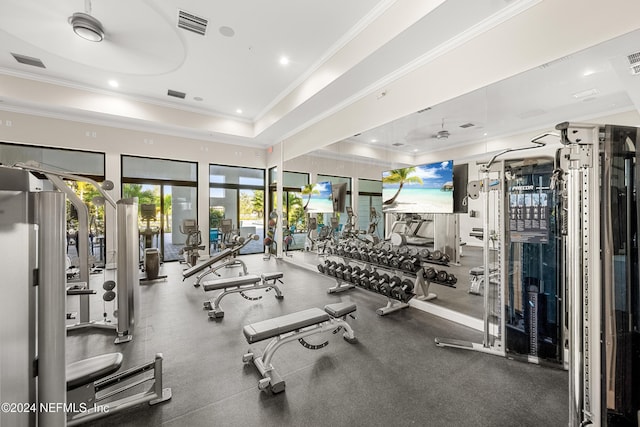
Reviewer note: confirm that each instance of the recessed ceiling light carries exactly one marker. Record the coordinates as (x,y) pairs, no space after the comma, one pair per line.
(374,140)
(415,150)
(226,31)
(239,111)
(588,73)
(113,83)
(284,60)
(198,98)
(485,134)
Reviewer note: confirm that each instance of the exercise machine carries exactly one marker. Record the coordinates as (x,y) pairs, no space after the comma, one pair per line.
(241,285)
(597,177)
(152,257)
(32,223)
(193,242)
(126,231)
(295,327)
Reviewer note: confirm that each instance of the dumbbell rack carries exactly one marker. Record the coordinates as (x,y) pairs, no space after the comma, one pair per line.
(393,304)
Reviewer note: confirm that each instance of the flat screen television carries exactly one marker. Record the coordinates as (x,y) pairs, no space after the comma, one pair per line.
(339,192)
(425,188)
(319,199)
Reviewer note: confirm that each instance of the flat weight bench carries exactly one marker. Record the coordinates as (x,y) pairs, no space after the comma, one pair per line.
(92,380)
(294,326)
(240,284)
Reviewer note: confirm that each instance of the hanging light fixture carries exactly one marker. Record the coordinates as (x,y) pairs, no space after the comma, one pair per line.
(86,26)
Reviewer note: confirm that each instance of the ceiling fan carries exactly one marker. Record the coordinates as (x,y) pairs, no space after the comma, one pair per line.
(442,134)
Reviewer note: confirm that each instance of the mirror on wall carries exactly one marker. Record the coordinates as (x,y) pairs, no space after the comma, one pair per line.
(597,84)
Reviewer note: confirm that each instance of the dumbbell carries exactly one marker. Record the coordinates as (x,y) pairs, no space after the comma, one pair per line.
(385,257)
(339,270)
(331,268)
(397,260)
(373,256)
(452,279)
(386,288)
(424,253)
(355,275)
(430,273)
(403,291)
(355,253)
(436,255)
(382,280)
(365,279)
(374,280)
(323,268)
(442,276)
(412,264)
(346,273)
(364,254)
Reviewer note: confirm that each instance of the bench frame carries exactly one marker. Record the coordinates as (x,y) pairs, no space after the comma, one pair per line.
(270,377)
(262,282)
(86,395)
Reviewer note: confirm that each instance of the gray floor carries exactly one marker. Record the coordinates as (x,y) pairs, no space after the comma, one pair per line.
(394,375)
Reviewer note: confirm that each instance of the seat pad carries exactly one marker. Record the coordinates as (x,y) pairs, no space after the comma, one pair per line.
(226,282)
(281,325)
(89,370)
(340,309)
(199,267)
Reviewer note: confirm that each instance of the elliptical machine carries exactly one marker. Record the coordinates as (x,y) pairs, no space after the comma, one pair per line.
(193,242)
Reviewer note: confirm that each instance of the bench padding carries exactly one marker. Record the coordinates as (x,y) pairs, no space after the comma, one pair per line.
(340,309)
(199,267)
(214,285)
(281,325)
(89,370)
(272,276)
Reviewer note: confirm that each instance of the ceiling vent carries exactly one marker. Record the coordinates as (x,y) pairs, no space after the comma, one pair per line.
(634,63)
(176,94)
(28,60)
(467,125)
(190,22)
(397,144)
(423,110)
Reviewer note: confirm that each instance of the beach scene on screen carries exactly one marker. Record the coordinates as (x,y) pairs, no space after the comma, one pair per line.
(320,198)
(419,189)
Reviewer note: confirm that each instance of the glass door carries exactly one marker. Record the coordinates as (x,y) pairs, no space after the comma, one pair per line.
(150,218)
(251,218)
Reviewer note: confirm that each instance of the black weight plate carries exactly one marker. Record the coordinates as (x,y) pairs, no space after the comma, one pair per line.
(424,253)
(109,296)
(109,285)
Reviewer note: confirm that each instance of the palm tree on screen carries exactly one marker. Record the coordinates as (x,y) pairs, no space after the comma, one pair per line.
(400,176)
(308,190)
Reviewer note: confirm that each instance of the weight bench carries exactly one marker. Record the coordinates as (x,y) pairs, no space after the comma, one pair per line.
(295,326)
(92,380)
(240,284)
(208,266)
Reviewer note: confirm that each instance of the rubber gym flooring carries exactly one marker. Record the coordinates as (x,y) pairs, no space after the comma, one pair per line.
(393,376)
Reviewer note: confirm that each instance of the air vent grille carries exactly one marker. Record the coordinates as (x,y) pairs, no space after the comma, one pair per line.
(190,22)
(634,58)
(423,110)
(467,125)
(397,144)
(635,70)
(176,94)
(28,60)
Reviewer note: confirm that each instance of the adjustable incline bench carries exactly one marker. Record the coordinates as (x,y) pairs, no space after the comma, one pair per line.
(295,326)
(227,255)
(240,284)
(90,382)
